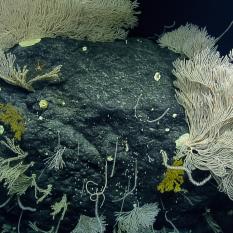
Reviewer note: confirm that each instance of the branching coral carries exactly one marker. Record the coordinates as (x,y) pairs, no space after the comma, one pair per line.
(13,176)
(17,76)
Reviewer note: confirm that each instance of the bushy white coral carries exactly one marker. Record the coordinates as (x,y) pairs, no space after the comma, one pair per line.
(188,39)
(94,20)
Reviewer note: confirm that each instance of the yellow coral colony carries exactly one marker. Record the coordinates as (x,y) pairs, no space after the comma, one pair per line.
(10,116)
(173,179)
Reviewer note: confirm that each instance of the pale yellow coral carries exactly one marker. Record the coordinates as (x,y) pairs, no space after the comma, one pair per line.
(173,179)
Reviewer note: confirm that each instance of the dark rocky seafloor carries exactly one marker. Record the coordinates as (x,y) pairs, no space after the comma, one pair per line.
(107,94)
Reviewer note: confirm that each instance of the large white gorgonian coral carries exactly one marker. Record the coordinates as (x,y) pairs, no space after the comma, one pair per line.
(27,21)
(204,88)
(188,39)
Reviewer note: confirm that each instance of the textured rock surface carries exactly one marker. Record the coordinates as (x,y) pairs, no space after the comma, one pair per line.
(107,95)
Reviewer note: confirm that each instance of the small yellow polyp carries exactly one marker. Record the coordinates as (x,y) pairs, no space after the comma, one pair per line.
(31,42)
(43,104)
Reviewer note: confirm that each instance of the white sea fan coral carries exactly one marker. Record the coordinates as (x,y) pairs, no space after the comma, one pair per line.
(204,88)
(89,225)
(188,39)
(94,20)
(137,220)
